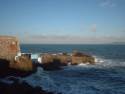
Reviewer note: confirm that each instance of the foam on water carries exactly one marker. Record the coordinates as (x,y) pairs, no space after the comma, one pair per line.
(34,56)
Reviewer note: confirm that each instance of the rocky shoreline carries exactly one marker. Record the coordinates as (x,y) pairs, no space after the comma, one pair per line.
(16,86)
(17,64)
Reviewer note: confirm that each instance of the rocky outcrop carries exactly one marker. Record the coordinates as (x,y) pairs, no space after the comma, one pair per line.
(64,58)
(78,57)
(9,49)
(16,69)
(23,63)
(50,62)
(56,61)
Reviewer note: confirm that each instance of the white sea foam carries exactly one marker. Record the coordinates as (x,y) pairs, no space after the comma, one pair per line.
(83,64)
(39,59)
(34,56)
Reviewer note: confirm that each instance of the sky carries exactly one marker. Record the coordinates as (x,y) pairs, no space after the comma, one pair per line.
(63,21)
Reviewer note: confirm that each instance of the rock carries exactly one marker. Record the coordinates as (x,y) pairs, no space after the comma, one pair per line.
(64,59)
(18,87)
(9,47)
(4,66)
(54,65)
(47,58)
(28,55)
(56,61)
(78,57)
(6,70)
(52,61)
(22,63)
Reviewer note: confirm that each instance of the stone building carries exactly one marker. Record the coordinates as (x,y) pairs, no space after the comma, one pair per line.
(9,47)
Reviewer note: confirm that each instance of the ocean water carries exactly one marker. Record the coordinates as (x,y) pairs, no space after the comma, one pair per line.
(106,77)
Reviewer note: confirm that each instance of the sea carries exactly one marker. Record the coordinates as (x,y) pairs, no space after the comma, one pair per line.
(107,76)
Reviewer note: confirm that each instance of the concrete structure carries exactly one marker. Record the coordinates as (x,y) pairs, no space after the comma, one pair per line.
(9,47)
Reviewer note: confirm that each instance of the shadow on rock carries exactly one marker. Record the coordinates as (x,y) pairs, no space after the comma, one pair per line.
(5,70)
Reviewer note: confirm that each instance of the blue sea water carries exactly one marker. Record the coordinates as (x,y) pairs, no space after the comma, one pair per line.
(106,77)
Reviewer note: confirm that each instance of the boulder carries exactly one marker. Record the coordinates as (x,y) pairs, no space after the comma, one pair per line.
(53,61)
(64,59)
(4,66)
(78,57)
(22,63)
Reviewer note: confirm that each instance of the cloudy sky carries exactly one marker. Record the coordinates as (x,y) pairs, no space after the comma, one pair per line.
(63,21)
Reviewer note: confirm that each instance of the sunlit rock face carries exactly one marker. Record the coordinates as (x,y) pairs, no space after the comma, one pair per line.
(78,57)
(23,63)
(9,47)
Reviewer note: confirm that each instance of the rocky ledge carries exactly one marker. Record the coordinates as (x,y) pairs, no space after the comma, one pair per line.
(56,61)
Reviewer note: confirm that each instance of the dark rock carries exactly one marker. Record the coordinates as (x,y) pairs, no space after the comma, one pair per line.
(55,65)
(5,70)
(4,66)
(20,88)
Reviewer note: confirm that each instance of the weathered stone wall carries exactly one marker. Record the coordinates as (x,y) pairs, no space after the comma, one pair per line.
(9,47)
